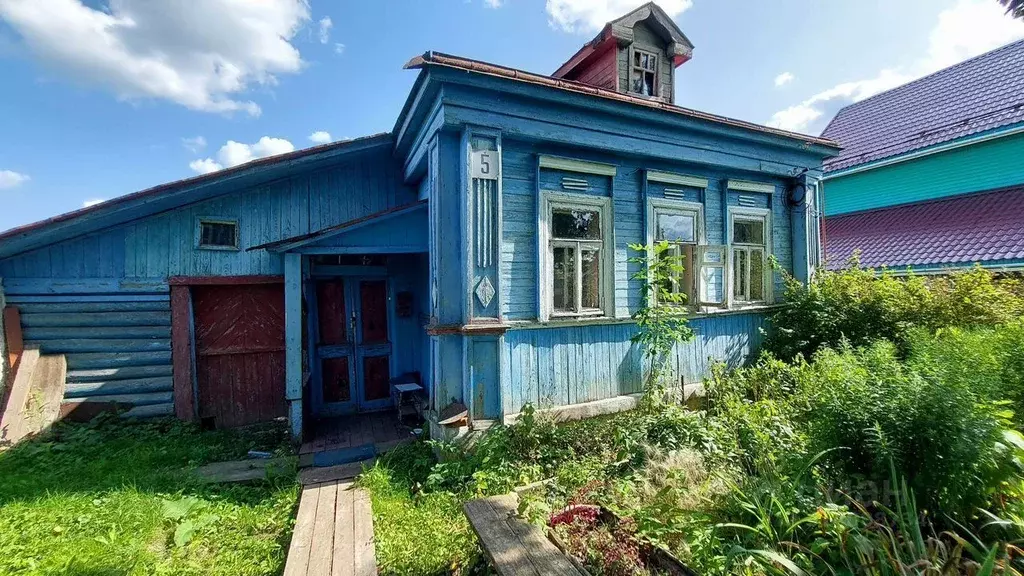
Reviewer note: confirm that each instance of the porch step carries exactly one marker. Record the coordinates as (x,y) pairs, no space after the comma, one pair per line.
(348,471)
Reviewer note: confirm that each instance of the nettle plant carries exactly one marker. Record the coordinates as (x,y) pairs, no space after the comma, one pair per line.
(661,319)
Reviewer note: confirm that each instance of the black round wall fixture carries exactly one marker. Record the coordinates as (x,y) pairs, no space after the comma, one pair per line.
(796,194)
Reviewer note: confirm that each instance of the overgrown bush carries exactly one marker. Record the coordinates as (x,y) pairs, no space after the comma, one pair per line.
(864,305)
(944,437)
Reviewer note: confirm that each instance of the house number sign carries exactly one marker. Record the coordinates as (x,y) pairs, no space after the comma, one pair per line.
(485,165)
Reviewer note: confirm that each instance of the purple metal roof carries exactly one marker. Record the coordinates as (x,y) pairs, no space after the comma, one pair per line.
(979,227)
(977,95)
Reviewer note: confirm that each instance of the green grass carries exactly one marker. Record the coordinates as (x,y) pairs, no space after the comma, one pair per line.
(421,534)
(113,498)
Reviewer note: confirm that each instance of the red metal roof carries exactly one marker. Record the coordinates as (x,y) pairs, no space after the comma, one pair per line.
(980,227)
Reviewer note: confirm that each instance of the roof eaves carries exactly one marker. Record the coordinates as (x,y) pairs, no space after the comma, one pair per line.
(358,143)
(446,60)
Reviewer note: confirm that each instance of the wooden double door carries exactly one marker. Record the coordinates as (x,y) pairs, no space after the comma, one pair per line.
(352,355)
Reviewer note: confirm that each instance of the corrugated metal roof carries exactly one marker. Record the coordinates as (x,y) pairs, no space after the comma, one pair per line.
(469,65)
(974,96)
(979,227)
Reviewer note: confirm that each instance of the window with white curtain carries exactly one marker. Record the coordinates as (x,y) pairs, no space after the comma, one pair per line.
(750,246)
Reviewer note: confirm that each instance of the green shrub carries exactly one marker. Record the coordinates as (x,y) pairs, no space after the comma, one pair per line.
(860,306)
(944,437)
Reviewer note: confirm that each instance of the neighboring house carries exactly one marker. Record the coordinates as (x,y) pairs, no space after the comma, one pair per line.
(482,244)
(931,176)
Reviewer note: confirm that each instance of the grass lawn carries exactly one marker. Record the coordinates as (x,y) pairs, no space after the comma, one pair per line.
(112,498)
(416,533)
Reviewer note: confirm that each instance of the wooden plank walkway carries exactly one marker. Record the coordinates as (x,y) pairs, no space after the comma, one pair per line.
(514,546)
(333,533)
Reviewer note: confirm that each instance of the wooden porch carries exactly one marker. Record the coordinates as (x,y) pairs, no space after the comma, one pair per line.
(354,437)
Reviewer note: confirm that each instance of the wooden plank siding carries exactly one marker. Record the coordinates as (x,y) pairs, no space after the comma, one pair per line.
(164,245)
(560,366)
(519,235)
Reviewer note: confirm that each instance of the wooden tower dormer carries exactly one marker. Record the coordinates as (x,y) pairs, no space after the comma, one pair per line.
(636,54)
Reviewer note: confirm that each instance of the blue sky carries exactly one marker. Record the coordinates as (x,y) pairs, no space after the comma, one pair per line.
(101,99)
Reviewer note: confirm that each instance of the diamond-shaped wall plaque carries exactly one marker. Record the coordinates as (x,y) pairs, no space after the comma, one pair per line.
(485,292)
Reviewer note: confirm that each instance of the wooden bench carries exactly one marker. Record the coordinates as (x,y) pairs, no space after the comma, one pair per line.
(514,547)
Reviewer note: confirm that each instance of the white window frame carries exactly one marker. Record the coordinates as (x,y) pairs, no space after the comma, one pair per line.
(750,215)
(563,200)
(656,206)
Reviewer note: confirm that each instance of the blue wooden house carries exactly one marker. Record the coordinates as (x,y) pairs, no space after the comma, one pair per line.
(479,248)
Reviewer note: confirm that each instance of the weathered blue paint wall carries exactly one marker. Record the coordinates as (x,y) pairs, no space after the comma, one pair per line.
(551,367)
(103,299)
(519,236)
(165,244)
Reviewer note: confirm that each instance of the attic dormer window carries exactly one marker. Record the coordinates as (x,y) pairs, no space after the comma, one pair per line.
(644,73)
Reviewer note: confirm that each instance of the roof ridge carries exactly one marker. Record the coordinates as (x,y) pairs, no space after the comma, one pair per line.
(928,76)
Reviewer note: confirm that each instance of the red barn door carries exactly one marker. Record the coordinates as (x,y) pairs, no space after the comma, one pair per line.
(239,336)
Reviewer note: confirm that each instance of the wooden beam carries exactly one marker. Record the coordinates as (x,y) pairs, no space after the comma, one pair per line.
(13,337)
(293,339)
(181,353)
(223,280)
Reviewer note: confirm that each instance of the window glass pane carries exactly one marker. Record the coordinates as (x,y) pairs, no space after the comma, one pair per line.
(712,284)
(648,84)
(757,275)
(739,274)
(576,224)
(564,277)
(217,234)
(748,231)
(591,268)
(675,227)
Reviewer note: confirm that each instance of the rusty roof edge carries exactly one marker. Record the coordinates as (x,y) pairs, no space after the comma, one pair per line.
(441,59)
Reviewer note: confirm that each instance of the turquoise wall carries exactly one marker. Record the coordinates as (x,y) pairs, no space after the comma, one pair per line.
(984,166)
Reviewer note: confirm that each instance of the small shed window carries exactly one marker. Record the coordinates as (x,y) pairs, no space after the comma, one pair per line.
(218,234)
(644,73)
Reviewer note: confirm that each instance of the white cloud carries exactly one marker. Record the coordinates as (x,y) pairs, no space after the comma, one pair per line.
(968,29)
(783,79)
(320,137)
(234,153)
(93,202)
(194,145)
(325,29)
(201,55)
(11,179)
(493,3)
(204,166)
(339,48)
(590,15)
